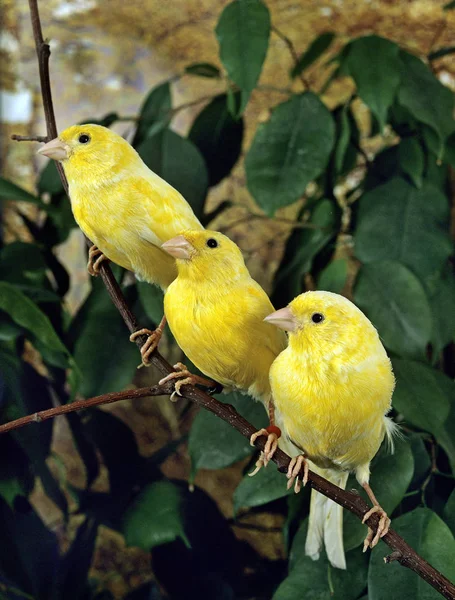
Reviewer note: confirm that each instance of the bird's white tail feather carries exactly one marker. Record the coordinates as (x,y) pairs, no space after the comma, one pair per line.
(326,522)
(392,432)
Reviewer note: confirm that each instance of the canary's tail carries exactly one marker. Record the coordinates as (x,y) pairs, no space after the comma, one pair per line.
(326,522)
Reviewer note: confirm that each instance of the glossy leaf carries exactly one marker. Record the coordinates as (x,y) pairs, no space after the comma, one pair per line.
(267,485)
(442,301)
(398,222)
(373,63)
(26,314)
(11,191)
(155,517)
(412,159)
(449,512)
(243,35)
(430,537)
(179,162)
(155,113)
(289,151)
(214,444)
(391,475)
(394,300)
(49,180)
(313,52)
(428,100)
(203,70)
(333,277)
(218,136)
(301,248)
(152,298)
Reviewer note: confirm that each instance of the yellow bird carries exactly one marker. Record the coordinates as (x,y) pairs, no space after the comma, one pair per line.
(216,313)
(123,207)
(332,388)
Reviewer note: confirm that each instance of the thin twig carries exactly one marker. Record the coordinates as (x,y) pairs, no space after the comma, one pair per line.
(29,138)
(352,502)
(293,52)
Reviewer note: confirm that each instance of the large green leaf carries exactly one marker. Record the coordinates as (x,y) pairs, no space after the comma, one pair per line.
(49,180)
(395,301)
(396,221)
(98,329)
(442,300)
(426,98)
(151,297)
(374,65)
(155,112)
(243,34)
(412,159)
(301,248)
(449,512)
(219,138)
(430,537)
(391,475)
(155,517)
(214,444)
(333,277)
(425,397)
(267,485)
(289,151)
(26,314)
(179,162)
(11,191)
(312,53)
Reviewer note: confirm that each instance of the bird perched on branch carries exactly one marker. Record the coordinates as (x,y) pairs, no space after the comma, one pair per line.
(332,387)
(216,313)
(123,207)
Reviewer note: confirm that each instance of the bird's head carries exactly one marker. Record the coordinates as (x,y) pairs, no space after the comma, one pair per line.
(87,151)
(325,320)
(209,255)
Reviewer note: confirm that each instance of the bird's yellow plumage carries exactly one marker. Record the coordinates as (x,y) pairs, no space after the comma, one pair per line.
(332,388)
(124,208)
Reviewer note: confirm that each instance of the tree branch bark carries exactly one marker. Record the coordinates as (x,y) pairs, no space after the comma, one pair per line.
(401,551)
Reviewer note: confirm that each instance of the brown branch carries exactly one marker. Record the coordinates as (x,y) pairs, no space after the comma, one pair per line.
(348,500)
(293,52)
(29,138)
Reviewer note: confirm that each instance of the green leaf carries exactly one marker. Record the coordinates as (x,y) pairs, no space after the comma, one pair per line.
(155,113)
(391,475)
(243,35)
(11,191)
(442,301)
(394,300)
(449,154)
(343,137)
(449,5)
(373,63)
(267,485)
(214,444)
(422,461)
(26,314)
(398,222)
(152,299)
(301,248)
(333,277)
(203,70)
(155,517)
(16,476)
(427,99)
(430,537)
(219,138)
(312,53)
(49,180)
(179,162)
(425,396)
(289,151)
(97,329)
(412,160)
(449,512)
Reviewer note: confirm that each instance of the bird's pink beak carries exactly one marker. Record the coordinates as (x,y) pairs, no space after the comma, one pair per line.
(55,149)
(283,318)
(178,247)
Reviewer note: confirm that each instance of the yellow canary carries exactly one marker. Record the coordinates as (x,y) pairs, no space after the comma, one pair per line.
(122,206)
(332,388)
(216,313)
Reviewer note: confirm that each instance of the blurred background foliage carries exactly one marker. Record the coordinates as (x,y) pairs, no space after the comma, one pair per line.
(342,179)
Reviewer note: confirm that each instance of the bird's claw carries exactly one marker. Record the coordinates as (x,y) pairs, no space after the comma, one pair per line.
(184,377)
(150,345)
(269,449)
(293,473)
(95,258)
(383,527)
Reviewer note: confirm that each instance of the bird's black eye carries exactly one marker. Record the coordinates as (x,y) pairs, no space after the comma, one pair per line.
(317,317)
(211,243)
(84,138)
